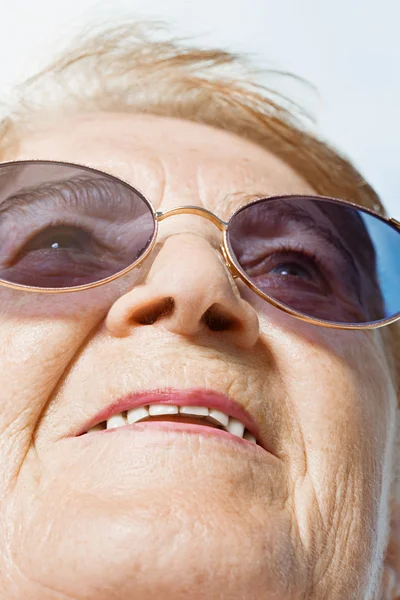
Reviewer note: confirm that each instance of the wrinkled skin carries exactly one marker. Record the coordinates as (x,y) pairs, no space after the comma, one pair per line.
(149,515)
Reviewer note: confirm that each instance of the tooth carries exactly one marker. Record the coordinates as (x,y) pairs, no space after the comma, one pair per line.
(250,437)
(163,409)
(136,414)
(116,421)
(236,427)
(220,417)
(196,411)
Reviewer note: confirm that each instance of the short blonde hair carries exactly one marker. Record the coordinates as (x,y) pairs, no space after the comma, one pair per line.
(123,68)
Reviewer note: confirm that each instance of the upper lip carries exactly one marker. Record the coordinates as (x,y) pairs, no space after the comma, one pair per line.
(192,397)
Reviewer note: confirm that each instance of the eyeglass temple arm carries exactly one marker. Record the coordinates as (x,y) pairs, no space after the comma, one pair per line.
(395,221)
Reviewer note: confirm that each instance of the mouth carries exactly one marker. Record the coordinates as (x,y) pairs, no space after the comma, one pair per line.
(197,410)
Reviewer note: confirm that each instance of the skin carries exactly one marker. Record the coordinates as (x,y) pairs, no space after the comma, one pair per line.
(185,516)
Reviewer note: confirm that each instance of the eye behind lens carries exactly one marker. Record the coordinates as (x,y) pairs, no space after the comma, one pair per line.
(352,248)
(63,234)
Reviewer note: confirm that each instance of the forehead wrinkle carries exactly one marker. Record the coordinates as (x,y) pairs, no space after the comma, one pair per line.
(142,169)
(228,183)
(126,150)
(223,206)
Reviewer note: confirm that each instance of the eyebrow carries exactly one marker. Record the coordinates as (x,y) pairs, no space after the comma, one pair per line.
(297,214)
(302,216)
(66,191)
(29,195)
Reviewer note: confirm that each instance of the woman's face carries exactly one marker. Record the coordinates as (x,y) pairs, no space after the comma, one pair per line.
(153,513)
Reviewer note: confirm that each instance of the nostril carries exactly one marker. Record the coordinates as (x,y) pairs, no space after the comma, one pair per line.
(217,319)
(149,314)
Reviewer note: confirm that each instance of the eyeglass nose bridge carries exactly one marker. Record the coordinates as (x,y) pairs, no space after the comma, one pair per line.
(193,210)
(210,216)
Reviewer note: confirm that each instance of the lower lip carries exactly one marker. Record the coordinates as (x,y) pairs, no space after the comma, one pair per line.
(184,427)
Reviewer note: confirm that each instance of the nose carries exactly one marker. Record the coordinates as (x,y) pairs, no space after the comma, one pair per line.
(188,290)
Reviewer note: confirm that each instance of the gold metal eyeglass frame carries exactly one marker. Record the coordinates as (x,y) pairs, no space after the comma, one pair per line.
(229,261)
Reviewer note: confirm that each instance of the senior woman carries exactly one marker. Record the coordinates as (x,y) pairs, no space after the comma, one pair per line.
(199,349)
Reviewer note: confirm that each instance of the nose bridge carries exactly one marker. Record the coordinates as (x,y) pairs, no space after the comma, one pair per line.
(187,289)
(189,261)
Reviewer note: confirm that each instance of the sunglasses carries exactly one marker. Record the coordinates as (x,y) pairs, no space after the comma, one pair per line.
(65,227)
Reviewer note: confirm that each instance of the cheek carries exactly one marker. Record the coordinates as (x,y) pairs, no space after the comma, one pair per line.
(340,397)
(342,406)
(34,355)
(338,387)
(40,334)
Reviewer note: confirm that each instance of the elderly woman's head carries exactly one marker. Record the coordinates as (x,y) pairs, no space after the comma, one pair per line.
(211,411)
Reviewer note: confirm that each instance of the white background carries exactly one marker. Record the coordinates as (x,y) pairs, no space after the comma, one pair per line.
(349,49)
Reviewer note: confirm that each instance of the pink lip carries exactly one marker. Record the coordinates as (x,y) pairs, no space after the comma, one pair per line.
(183,427)
(192,397)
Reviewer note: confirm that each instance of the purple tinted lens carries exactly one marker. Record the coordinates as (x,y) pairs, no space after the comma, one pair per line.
(64,225)
(319,257)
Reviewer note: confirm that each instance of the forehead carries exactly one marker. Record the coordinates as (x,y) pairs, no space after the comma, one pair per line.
(172,161)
